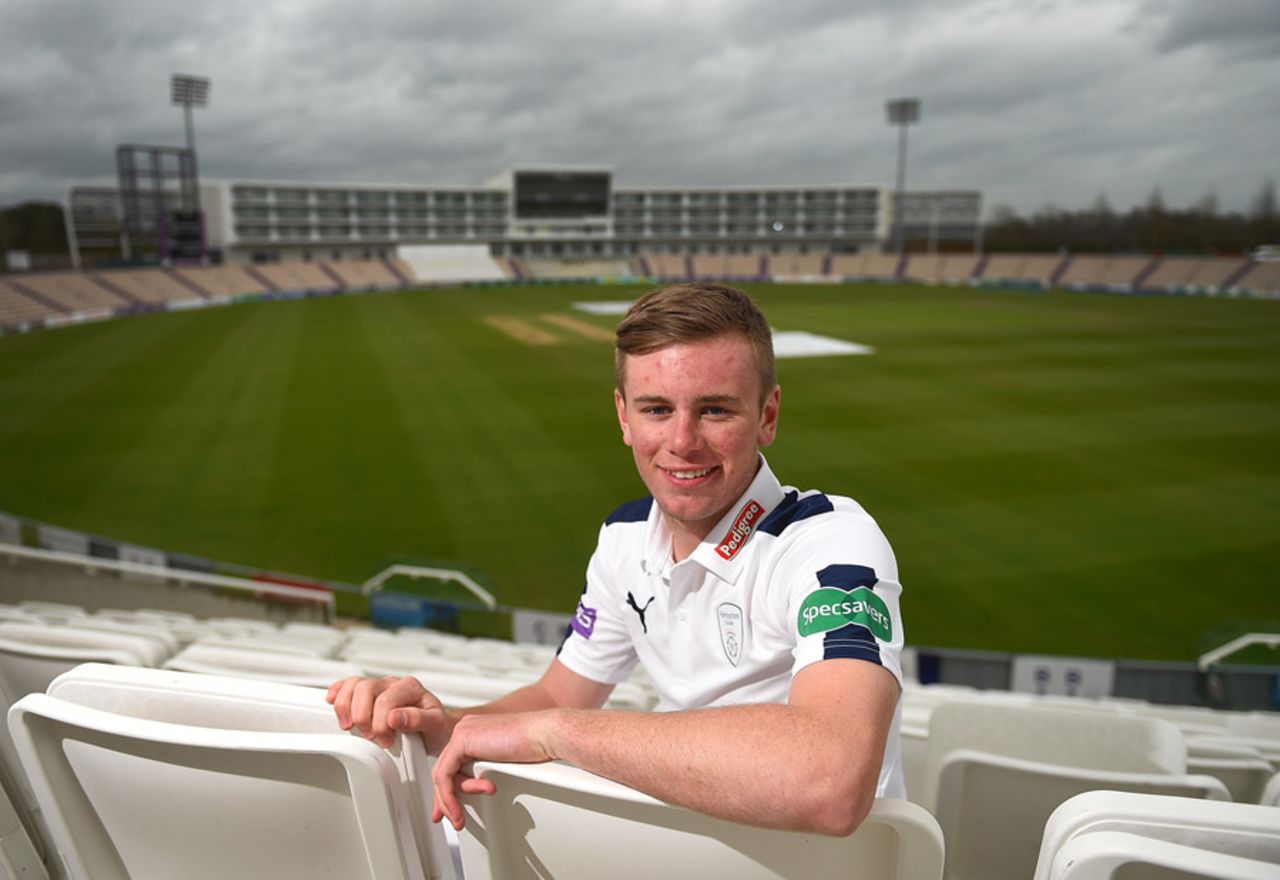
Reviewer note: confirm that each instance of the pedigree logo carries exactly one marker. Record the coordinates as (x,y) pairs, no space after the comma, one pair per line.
(747,520)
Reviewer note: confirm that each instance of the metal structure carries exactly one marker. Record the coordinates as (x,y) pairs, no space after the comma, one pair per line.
(160,202)
(94,224)
(442,574)
(901,112)
(1211,658)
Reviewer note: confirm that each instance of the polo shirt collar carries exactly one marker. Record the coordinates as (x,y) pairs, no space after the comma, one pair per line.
(723,550)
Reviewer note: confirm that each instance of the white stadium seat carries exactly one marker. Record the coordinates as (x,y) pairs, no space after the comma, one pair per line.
(1245,778)
(130,798)
(1244,831)
(1111,855)
(1271,794)
(31,656)
(224,707)
(994,774)
(554,820)
(316,672)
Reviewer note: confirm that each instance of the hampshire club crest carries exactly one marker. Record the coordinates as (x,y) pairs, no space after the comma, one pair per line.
(730,619)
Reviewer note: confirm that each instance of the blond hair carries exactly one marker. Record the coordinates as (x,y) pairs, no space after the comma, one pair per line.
(691,313)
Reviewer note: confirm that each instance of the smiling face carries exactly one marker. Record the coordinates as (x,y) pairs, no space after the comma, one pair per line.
(691,414)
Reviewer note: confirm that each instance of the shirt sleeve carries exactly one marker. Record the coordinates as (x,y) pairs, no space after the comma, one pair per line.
(843,595)
(598,645)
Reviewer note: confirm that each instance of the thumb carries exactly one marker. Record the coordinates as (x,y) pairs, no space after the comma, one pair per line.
(413,720)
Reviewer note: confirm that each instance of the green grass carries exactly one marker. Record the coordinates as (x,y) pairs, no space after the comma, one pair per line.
(1062,473)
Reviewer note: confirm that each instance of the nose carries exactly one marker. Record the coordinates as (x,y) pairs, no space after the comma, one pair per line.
(685,438)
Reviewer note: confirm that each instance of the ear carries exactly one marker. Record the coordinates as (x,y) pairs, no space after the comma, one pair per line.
(769,418)
(621,405)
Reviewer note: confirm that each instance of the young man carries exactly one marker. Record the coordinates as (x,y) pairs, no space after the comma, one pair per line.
(767,618)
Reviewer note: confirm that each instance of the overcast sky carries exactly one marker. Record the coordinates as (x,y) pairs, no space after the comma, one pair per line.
(1033,102)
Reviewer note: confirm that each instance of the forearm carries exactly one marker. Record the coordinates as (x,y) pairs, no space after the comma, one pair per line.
(530,698)
(778,766)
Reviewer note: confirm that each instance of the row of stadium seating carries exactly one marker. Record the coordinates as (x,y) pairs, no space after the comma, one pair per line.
(1124,273)
(985,770)
(53,297)
(990,766)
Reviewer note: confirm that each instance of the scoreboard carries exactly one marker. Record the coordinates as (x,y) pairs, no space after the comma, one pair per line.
(561,195)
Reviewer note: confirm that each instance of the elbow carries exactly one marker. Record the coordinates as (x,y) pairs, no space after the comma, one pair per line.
(837,809)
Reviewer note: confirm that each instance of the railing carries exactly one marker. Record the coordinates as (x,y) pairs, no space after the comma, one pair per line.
(440,574)
(178,575)
(1239,643)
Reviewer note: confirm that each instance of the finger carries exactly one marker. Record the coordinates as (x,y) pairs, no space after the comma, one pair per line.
(362,697)
(411,720)
(442,776)
(404,692)
(471,785)
(342,700)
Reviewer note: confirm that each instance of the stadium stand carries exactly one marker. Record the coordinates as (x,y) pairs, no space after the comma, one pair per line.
(1037,269)
(797,265)
(878,267)
(941,267)
(667,265)
(296,277)
(445,263)
(150,286)
(547,268)
(570,823)
(1172,273)
(50,299)
(991,765)
(222,280)
(18,308)
(73,291)
(1218,272)
(363,274)
(1261,278)
(744,266)
(1092,271)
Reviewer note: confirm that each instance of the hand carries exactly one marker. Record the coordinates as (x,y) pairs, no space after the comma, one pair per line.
(378,708)
(521,738)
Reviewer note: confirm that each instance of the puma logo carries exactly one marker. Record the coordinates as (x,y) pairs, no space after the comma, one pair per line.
(631,600)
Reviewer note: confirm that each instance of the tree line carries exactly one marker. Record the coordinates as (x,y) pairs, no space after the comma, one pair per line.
(1150,228)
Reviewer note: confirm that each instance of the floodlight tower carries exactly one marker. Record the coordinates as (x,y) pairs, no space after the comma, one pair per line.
(190,91)
(902,112)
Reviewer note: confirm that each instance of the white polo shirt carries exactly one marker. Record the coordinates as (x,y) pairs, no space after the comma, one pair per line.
(785,579)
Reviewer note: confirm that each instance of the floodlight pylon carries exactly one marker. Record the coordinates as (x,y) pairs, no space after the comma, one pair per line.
(901,112)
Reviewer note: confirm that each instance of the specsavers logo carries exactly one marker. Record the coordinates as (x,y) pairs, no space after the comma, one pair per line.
(829,608)
(746,520)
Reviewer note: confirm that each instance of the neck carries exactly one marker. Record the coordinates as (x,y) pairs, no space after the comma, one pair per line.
(683,542)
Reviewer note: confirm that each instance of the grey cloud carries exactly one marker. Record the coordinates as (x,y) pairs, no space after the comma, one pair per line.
(1029,101)
(1235,29)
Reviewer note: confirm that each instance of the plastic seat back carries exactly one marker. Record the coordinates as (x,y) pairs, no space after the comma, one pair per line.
(250,705)
(554,820)
(992,809)
(262,665)
(131,798)
(1245,831)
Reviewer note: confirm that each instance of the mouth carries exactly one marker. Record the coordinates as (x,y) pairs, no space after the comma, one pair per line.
(688,476)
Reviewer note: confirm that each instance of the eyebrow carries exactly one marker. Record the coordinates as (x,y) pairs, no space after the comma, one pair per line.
(706,398)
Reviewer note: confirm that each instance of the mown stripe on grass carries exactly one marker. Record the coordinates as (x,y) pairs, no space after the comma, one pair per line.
(584,329)
(520,330)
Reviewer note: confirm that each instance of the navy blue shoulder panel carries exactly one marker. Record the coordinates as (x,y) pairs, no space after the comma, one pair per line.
(632,511)
(792,509)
